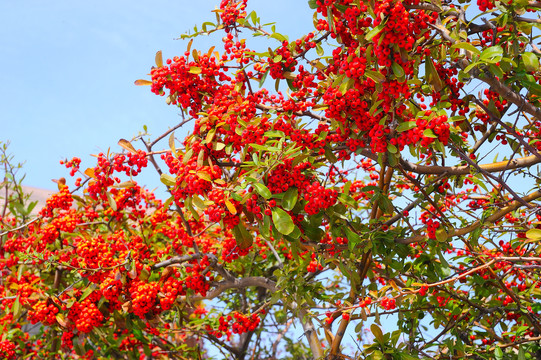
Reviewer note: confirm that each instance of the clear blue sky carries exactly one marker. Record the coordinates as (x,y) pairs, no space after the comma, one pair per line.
(67,71)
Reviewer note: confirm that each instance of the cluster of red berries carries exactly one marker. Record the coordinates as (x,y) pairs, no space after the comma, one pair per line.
(43,312)
(191,178)
(491,97)
(314,265)
(245,323)
(190,83)
(485,5)
(230,251)
(102,173)
(72,164)
(143,297)
(232,10)
(282,61)
(111,289)
(219,211)
(171,289)
(62,200)
(318,198)
(85,315)
(7,350)
(388,303)
(365,302)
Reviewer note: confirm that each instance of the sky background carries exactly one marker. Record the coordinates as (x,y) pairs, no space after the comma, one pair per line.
(67,71)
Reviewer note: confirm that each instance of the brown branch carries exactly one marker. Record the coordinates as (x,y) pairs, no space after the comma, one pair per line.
(466,169)
(491,219)
(174,260)
(311,335)
(220,287)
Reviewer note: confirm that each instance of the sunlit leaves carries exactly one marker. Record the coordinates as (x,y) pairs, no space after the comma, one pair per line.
(282,221)
(262,190)
(290,198)
(531,61)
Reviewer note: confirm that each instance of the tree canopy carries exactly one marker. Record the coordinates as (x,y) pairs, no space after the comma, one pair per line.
(369,190)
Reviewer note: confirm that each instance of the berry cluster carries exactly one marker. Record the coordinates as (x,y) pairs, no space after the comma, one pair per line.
(61,200)
(43,312)
(85,315)
(388,303)
(244,323)
(143,297)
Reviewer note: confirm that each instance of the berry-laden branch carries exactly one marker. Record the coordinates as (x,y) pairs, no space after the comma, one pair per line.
(305,166)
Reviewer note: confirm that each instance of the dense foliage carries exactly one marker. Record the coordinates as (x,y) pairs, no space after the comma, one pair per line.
(367,191)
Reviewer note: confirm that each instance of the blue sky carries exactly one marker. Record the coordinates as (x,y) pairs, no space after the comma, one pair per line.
(67,71)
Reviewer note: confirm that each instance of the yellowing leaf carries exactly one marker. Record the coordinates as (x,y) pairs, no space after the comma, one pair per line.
(534,234)
(210,135)
(125,184)
(125,144)
(441,234)
(167,179)
(112,202)
(195,70)
(466,46)
(432,75)
(142,82)
(230,206)
(203,175)
(159,59)
(172,142)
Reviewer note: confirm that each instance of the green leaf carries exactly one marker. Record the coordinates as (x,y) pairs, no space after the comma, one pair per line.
(441,234)
(466,46)
(496,70)
(312,4)
(531,61)
(498,353)
(376,76)
(429,133)
(195,70)
(405,126)
(492,54)
(262,190)
(16,308)
(264,227)
(534,234)
(521,353)
(282,221)
(244,237)
(398,70)
(87,292)
(374,31)
(378,334)
(432,75)
(290,198)
(168,180)
(471,66)
(353,238)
